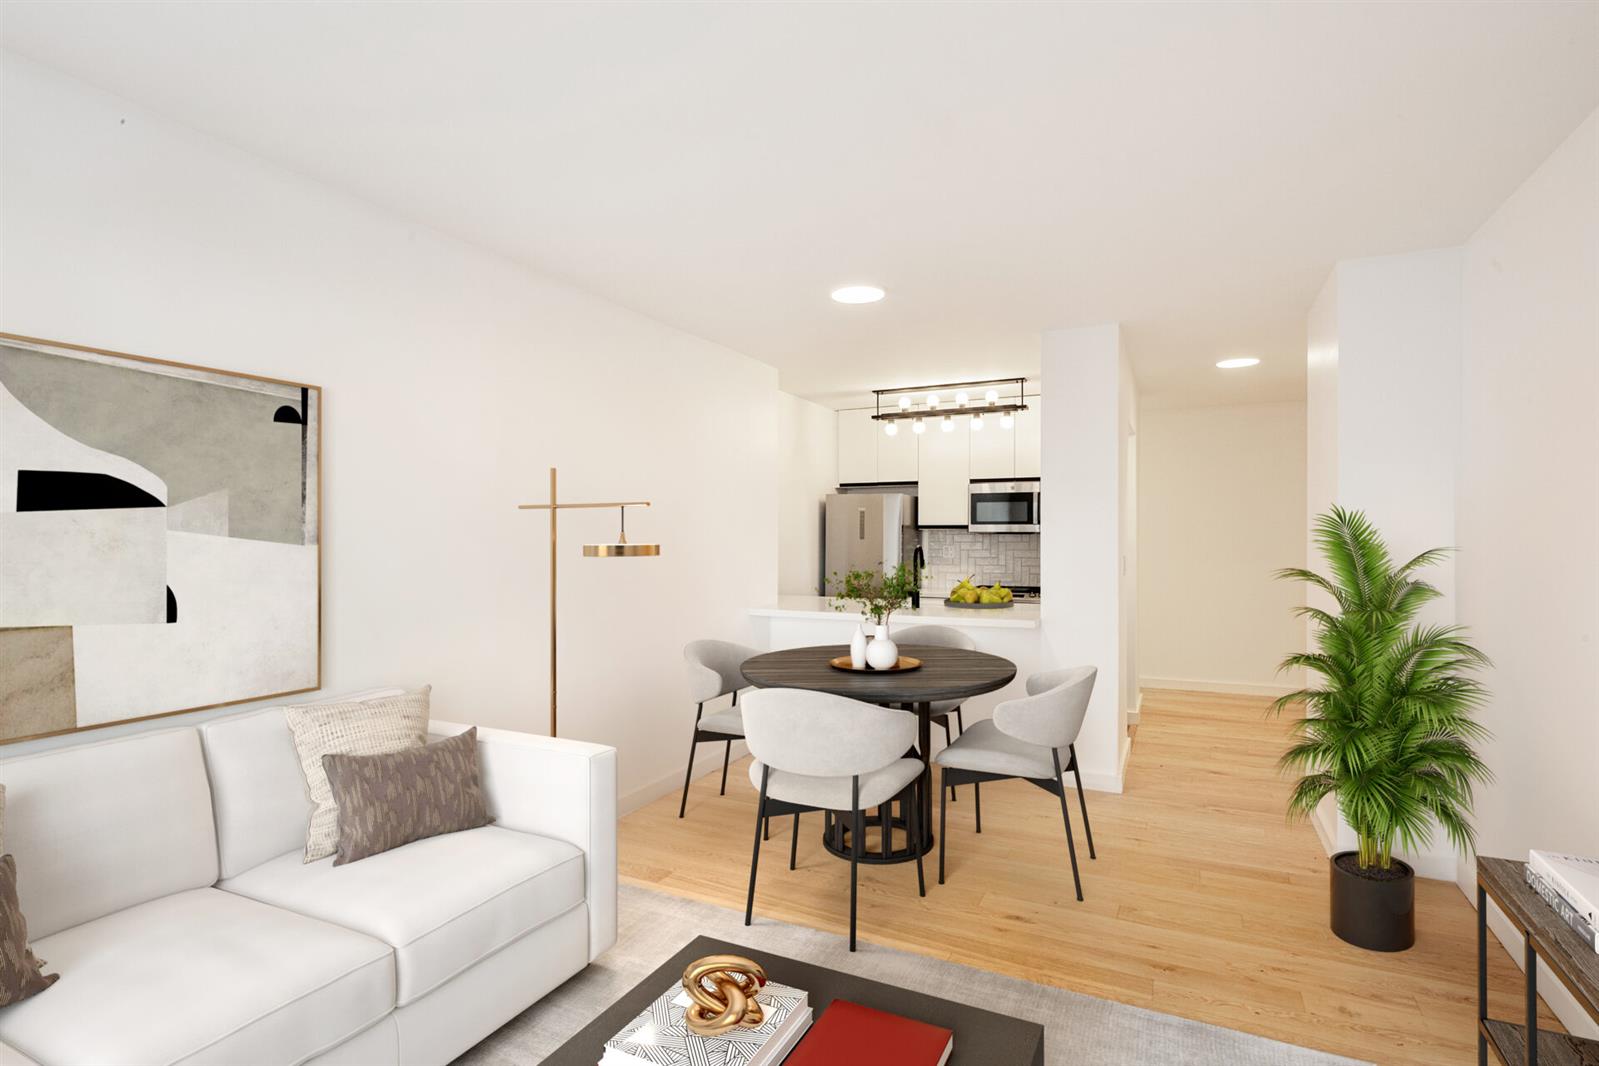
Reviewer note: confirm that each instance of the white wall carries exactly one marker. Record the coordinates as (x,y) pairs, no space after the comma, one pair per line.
(453,380)
(1221,507)
(1528,511)
(807,452)
(1080,548)
(1382,432)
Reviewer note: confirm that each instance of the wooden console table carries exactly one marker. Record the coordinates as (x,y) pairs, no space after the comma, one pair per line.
(1572,960)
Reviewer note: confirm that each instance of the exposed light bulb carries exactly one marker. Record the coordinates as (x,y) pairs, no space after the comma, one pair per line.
(919,426)
(961,399)
(991,397)
(977,423)
(904,403)
(1007,420)
(947,424)
(890,429)
(932,401)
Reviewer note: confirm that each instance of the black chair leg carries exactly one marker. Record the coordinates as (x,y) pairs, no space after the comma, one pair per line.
(1065,816)
(943,779)
(755,856)
(727,753)
(914,840)
(977,797)
(948,740)
(1082,801)
(885,814)
(766,831)
(857,831)
(793,844)
(688,775)
(960,722)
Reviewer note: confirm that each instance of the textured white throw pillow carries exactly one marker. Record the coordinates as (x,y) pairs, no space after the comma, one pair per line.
(359,727)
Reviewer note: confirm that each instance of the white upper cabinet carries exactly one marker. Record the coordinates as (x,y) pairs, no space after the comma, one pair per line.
(1029,439)
(993,447)
(943,475)
(857,447)
(896,455)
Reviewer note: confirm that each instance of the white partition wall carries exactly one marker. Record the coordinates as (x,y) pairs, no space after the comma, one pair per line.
(1383,428)
(1087,531)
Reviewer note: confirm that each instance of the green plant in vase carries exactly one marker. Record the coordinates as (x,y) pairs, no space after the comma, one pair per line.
(1389,725)
(877,594)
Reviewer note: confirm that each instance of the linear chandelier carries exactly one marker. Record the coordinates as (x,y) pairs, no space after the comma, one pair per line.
(902,404)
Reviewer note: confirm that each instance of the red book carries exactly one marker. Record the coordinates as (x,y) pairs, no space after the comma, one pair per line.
(849,1034)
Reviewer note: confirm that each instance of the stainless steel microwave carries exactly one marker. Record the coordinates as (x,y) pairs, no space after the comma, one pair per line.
(1004,507)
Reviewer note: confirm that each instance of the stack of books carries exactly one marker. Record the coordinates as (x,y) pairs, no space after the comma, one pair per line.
(660,1036)
(1570,885)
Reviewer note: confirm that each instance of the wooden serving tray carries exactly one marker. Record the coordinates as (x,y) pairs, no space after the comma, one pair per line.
(906,662)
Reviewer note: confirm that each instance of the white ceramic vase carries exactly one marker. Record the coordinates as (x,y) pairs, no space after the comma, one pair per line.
(881,653)
(857,647)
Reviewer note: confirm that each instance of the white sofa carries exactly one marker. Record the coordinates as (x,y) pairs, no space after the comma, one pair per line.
(160,875)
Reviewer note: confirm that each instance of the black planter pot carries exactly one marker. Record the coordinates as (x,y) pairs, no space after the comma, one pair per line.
(1379,915)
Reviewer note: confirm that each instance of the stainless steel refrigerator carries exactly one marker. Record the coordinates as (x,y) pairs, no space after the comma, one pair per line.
(867,530)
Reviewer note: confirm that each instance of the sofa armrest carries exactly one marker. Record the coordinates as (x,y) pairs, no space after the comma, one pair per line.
(565,789)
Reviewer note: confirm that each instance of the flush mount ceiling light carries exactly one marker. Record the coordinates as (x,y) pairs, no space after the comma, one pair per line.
(1237,364)
(858,294)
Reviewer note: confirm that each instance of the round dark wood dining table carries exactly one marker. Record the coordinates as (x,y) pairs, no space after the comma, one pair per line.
(945,674)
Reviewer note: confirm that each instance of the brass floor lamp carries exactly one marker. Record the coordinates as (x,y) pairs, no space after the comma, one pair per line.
(617,550)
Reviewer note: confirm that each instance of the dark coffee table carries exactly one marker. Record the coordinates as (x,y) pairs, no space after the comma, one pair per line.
(981,1036)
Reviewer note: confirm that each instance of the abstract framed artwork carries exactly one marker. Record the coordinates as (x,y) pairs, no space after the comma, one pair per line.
(160,537)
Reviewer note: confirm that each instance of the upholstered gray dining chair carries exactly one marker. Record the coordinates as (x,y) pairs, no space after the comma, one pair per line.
(713,672)
(1026,738)
(940,637)
(819,752)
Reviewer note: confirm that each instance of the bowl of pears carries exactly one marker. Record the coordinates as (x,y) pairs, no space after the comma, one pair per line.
(966,594)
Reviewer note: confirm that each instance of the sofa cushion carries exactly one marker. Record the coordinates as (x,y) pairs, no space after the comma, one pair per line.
(201,977)
(257,785)
(359,727)
(388,801)
(21,972)
(99,827)
(442,903)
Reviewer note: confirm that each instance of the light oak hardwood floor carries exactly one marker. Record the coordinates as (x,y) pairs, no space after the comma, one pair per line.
(1204,902)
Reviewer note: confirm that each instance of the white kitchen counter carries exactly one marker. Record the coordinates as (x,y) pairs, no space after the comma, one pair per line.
(1020,616)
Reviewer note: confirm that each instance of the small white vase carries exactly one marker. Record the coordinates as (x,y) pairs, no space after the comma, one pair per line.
(857,647)
(881,653)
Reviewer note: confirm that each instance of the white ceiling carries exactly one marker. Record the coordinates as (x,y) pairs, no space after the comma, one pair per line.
(1190,170)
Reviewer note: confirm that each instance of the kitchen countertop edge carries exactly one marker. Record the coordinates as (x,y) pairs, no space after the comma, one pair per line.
(1021,616)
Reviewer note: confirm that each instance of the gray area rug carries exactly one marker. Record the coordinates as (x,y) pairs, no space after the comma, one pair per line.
(1079,1029)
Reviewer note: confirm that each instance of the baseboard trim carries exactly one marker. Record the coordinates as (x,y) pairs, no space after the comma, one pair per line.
(707,759)
(1234,688)
(1136,715)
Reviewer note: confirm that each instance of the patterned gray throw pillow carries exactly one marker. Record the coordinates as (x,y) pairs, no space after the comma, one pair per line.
(385,801)
(353,727)
(21,974)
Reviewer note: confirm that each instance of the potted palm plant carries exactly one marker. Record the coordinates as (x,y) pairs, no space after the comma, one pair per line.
(1388,728)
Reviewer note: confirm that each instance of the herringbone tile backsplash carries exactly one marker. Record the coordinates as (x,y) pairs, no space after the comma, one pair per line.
(985,557)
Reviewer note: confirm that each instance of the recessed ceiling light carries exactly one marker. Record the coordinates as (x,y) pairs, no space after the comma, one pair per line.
(1237,364)
(858,294)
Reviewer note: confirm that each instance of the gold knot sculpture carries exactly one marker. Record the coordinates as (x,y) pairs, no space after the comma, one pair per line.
(723,989)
